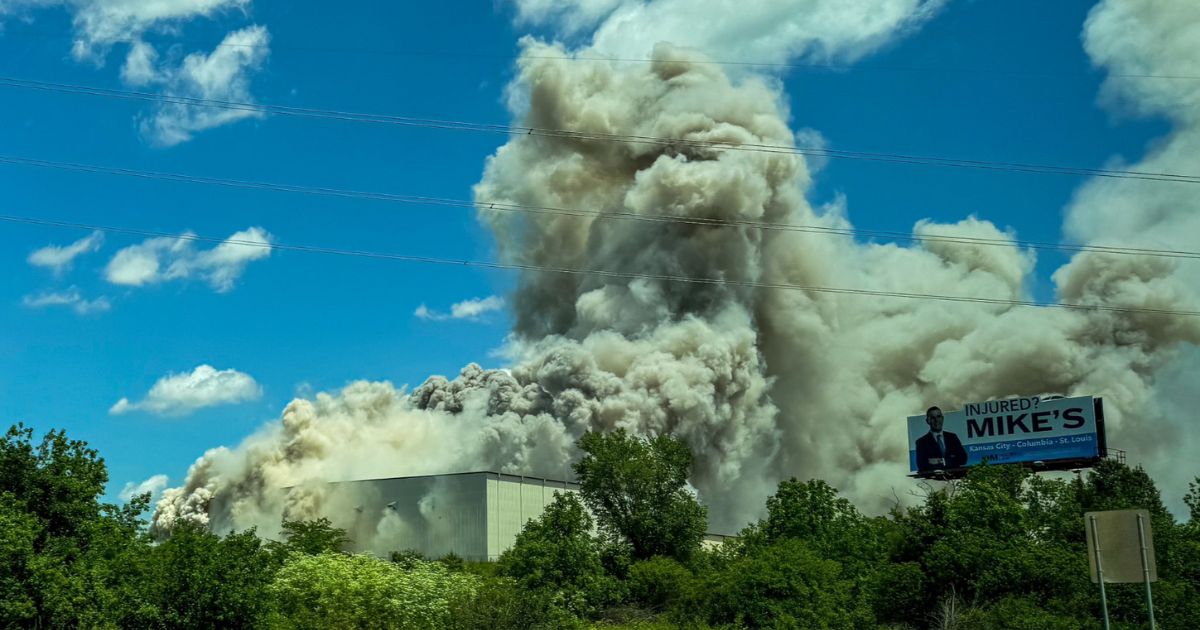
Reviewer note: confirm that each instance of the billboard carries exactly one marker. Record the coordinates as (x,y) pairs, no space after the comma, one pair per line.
(1057,432)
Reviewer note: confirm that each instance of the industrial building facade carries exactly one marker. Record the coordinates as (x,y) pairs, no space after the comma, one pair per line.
(476,515)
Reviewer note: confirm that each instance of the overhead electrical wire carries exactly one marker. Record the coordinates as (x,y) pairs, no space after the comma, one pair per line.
(593,272)
(503,206)
(597,58)
(521,130)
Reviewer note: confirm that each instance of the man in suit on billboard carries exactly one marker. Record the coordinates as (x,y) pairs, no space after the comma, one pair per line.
(938,449)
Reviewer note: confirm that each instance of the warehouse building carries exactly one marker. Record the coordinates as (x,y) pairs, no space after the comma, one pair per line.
(476,515)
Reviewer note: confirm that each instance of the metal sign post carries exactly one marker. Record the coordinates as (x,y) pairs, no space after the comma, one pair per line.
(1145,569)
(1126,555)
(1099,568)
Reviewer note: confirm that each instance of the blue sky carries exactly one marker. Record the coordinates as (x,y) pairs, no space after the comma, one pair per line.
(981,81)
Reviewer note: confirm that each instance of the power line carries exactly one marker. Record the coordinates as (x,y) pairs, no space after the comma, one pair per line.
(502,206)
(591,272)
(597,58)
(520,130)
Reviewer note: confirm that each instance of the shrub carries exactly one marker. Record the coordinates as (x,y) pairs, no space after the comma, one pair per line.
(658,583)
(500,604)
(358,591)
(782,585)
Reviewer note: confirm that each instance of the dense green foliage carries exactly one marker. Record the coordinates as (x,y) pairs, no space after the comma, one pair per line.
(198,579)
(333,590)
(1002,549)
(783,584)
(312,537)
(637,490)
(556,553)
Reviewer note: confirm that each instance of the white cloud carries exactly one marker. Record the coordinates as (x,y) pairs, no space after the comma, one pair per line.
(101,23)
(60,257)
(222,75)
(161,259)
(475,307)
(154,485)
(570,16)
(185,392)
(141,65)
(21,8)
(770,32)
(472,309)
(814,141)
(71,297)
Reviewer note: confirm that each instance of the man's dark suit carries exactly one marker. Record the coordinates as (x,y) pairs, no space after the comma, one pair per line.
(927,449)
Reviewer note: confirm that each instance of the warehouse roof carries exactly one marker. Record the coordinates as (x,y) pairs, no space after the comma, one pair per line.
(498,475)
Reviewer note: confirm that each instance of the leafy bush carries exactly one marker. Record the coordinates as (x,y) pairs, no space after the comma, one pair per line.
(453,562)
(898,593)
(357,591)
(658,583)
(784,585)
(500,604)
(408,558)
(1021,614)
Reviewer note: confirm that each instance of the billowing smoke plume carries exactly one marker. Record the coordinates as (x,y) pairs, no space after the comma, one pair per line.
(763,384)
(1141,43)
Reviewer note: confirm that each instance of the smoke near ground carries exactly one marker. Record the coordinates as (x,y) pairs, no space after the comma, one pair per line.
(763,384)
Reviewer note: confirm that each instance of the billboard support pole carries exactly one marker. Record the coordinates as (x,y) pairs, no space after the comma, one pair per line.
(1145,567)
(1100,570)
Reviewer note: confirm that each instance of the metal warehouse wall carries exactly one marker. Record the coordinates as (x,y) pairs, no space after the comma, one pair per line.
(434,515)
(475,515)
(513,500)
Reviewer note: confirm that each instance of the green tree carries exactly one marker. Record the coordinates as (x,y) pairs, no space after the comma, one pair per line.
(556,552)
(1192,501)
(782,585)
(988,544)
(829,524)
(67,557)
(115,566)
(57,482)
(19,531)
(312,537)
(197,579)
(636,487)
(898,593)
(1012,544)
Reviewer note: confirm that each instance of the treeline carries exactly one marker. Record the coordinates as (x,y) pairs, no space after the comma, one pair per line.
(1002,549)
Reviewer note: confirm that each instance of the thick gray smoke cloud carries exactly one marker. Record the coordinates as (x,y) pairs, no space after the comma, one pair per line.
(1131,39)
(763,384)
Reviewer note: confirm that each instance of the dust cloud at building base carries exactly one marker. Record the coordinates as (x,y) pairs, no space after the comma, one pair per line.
(475,515)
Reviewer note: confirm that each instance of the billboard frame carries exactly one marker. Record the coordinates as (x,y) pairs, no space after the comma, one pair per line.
(948,474)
